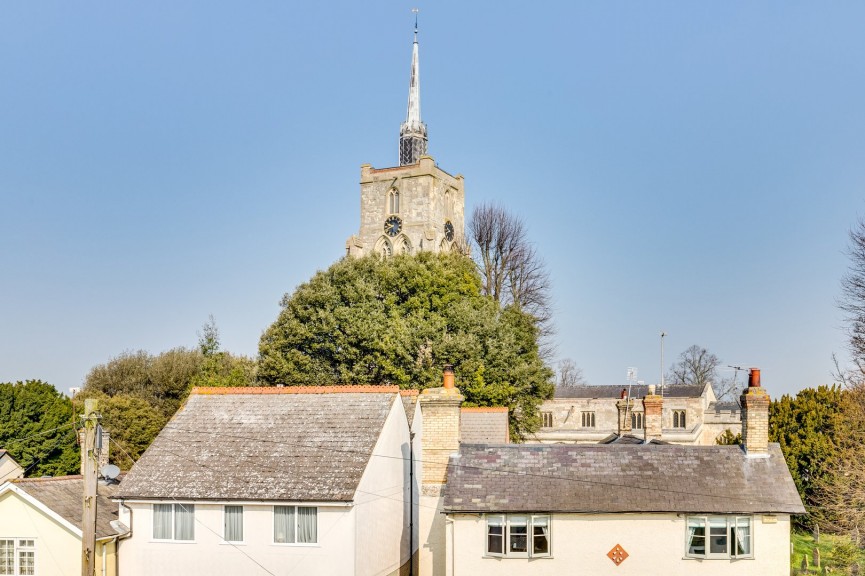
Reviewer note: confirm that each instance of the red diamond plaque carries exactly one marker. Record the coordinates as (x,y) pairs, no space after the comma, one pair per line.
(617,554)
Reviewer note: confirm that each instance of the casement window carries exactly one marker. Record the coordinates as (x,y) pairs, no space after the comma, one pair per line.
(233,520)
(546,419)
(17,557)
(518,535)
(637,420)
(295,525)
(719,537)
(174,522)
(678,418)
(588,419)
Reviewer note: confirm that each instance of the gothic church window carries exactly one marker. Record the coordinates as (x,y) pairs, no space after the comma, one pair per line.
(393,201)
(383,248)
(403,246)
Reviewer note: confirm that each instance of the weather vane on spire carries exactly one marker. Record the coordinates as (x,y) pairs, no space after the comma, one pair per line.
(412,132)
(415,11)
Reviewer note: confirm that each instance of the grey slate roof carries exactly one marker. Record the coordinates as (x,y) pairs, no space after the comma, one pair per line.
(618,478)
(64,494)
(484,425)
(628,439)
(637,391)
(279,444)
(730,405)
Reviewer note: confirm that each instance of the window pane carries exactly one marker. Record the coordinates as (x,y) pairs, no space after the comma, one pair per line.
(519,534)
(540,535)
(184,522)
(495,535)
(307,524)
(26,563)
(234,523)
(283,524)
(162,521)
(718,536)
(7,557)
(696,537)
(742,537)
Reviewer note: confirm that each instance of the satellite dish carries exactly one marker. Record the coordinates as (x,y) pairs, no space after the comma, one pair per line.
(109,471)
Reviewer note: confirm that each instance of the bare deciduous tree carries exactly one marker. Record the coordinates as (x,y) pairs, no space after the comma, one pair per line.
(569,374)
(852,300)
(512,271)
(697,366)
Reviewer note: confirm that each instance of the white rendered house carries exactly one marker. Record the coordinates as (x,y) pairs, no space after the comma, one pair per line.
(293,480)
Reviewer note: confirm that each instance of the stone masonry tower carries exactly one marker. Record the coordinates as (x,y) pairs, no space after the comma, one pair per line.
(415,206)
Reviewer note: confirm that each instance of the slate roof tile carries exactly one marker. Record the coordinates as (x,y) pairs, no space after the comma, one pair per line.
(286,444)
(618,478)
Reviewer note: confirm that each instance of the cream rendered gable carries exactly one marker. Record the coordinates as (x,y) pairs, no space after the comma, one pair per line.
(57,541)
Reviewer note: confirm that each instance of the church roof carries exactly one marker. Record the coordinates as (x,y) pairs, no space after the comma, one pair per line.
(637,391)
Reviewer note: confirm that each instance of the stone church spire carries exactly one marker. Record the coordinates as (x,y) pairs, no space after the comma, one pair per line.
(412,132)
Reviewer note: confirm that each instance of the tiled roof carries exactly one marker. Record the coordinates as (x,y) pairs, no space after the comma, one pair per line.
(628,439)
(64,494)
(483,425)
(730,405)
(246,444)
(618,478)
(637,391)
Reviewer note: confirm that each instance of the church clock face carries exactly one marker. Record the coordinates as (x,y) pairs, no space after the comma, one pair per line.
(392,226)
(449,231)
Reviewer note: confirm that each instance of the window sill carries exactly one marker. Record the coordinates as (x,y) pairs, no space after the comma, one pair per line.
(154,541)
(715,558)
(296,544)
(514,557)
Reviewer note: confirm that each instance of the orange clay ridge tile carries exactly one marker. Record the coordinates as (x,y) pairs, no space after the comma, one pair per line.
(340,389)
(408,392)
(485,409)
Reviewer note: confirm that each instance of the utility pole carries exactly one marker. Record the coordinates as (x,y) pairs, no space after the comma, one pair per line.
(88,520)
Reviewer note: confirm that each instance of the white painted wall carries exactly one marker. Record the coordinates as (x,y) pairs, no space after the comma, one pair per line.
(382,500)
(580,543)
(208,554)
(58,549)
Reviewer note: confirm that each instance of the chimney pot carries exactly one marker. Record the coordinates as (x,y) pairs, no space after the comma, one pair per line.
(754,378)
(449,376)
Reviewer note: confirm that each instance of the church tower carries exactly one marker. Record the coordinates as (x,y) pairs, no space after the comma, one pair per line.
(415,206)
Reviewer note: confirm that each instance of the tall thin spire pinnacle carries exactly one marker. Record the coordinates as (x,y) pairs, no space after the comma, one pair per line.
(412,132)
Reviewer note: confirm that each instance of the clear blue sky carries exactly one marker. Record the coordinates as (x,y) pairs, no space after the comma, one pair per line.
(687,166)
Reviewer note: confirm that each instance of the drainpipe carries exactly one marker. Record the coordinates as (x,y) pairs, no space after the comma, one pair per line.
(411,504)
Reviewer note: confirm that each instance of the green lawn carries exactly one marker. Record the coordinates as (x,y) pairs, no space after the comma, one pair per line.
(831,551)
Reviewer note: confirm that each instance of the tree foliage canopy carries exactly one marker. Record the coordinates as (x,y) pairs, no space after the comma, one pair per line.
(138,392)
(37,428)
(809,427)
(398,321)
(697,366)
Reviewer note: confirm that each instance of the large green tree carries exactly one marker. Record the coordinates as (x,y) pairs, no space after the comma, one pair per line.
(139,392)
(809,427)
(37,428)
(398,321)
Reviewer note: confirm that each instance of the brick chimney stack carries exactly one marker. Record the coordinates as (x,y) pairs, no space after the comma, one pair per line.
(755,417)
(440,438)
(653,423)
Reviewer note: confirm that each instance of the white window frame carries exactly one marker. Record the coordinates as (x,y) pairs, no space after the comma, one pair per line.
(680,419)
(174,506)
(19,545)
(732,526)
(242,524)
(296,525)
(506,521)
